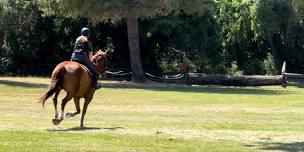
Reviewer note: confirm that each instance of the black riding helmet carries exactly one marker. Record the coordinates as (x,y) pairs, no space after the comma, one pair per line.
(85,31)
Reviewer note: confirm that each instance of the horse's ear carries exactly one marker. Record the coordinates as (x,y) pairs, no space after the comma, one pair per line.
(106,52)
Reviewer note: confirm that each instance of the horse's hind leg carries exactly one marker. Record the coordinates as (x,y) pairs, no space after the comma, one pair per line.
(63,103)
(72,114)
(85,106)
(55,102)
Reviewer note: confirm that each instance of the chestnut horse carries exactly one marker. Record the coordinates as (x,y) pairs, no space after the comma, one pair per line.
(76,81)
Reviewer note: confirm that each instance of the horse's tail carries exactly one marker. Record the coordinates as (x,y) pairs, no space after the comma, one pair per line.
(57,77)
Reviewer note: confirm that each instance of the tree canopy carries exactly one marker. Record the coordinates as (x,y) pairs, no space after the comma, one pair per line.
(230,36)
(98,10)
(131,10)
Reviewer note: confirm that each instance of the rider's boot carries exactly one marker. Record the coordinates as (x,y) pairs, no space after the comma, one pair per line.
(97,86)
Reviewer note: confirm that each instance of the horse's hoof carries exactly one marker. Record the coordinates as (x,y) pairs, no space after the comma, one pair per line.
(68,115)
(56,121)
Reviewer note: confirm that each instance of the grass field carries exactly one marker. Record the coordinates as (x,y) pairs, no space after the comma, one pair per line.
(154,117)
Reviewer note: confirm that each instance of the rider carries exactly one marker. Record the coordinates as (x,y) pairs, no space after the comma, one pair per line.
(83,54)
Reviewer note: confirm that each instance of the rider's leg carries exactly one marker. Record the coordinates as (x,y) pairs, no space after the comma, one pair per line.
(83,59)
(95,74)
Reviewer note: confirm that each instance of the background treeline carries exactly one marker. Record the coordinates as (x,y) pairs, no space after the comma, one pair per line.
(233,36)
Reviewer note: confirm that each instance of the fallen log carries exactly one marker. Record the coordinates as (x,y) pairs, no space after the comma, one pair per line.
(231,80)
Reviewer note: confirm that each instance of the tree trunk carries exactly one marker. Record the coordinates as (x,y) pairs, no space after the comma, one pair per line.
(133,40)
(2,30)
(220,79)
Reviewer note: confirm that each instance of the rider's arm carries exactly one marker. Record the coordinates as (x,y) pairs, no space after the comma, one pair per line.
(90,50)
(90,56)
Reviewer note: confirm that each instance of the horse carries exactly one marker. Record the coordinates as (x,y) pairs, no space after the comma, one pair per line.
(74,79)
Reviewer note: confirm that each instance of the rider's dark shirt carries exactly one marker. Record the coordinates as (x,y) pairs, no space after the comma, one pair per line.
(82,48)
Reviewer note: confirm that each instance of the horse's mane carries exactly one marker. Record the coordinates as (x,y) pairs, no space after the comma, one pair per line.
(100,52)
(99,57)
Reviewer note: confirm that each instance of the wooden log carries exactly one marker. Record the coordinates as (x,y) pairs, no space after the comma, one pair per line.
(231,80)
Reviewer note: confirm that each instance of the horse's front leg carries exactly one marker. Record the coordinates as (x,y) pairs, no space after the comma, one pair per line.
(72,114)
(85,106)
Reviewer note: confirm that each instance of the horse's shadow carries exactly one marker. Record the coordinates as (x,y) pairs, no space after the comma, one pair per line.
(23,84)
(55,129)
(278,146)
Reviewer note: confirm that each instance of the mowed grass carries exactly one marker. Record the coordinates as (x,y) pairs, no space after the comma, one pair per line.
(155,117)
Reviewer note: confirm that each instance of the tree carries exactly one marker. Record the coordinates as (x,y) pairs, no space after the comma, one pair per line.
(298,6)
(237,38)
(2,31)
(273,22)
(169,38)
(17,21)
(130,10)
(280,24)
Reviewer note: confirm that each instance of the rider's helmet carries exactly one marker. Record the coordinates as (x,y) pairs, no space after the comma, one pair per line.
(85,31)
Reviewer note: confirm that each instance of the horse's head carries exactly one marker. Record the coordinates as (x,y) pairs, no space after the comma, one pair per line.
(100,61)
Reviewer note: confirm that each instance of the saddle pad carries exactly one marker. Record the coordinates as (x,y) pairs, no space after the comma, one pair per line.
(87,69)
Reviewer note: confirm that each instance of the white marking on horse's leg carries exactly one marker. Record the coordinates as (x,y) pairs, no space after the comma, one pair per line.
(56,113)
(62,115)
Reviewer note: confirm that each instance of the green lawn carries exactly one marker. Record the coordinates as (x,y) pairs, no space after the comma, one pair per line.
(154,117)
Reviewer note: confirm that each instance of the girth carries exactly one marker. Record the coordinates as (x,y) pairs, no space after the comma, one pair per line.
(87,69)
